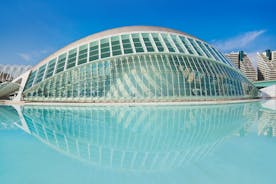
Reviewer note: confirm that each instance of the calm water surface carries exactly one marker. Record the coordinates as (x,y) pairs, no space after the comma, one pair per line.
(231,143)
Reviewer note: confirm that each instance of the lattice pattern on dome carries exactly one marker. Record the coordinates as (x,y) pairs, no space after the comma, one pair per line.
(137,66)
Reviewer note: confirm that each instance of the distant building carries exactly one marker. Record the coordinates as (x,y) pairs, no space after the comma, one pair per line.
(267,65)
(10,72)
(241,60)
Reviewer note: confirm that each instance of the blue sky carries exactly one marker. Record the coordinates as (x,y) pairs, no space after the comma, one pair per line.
(32,30)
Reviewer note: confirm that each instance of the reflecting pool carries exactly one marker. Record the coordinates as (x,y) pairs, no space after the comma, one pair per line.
(226,143)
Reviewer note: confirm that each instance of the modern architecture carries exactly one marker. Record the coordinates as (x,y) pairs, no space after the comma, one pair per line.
(267,65)
(10,72)
(135,64)
(242,62)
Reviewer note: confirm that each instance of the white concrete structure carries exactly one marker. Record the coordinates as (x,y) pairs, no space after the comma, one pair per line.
(269,92)
(10,72)
(242,61)
(269,104)
(11,78)
(23,79)
(267,65)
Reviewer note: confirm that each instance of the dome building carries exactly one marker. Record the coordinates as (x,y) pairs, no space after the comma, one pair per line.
(136,64)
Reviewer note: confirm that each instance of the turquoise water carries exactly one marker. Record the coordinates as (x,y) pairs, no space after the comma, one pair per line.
(230,143)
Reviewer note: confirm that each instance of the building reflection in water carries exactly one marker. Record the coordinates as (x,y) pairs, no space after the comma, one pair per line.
(141,138)
(267,119)
(8,117)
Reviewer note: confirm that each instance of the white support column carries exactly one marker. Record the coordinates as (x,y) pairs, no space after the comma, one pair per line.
(24,78)
(23,125)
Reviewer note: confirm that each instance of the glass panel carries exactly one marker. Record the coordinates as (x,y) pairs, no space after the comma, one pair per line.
(186,44)
(61,63)
(82,54)
(157,42)
(94,51)
(137,43)
(212,52)
(126,44)
(198,51)
(72,57)
(147,42)
(30,80)
(105,49)
(167,42)
(50,68)
(40,74)
(204,49)
(116,46)
(177,44)
(222,58)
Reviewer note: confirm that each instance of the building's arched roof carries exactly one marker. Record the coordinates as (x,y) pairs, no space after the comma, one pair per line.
(123,51)
(127,29)
(113,32)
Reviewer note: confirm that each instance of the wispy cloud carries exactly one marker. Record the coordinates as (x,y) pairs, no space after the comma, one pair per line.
(25,56)
(253,58)
(238,42)
(33,55)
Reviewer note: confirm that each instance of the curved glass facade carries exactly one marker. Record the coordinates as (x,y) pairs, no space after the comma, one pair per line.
(138,66)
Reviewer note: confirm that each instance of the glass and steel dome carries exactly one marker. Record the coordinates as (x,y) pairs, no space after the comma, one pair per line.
(137,64)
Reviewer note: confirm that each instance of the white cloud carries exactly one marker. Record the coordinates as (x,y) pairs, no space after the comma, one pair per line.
(253,58)
(238,42)
(45,51)
(25,56)
(33,55)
